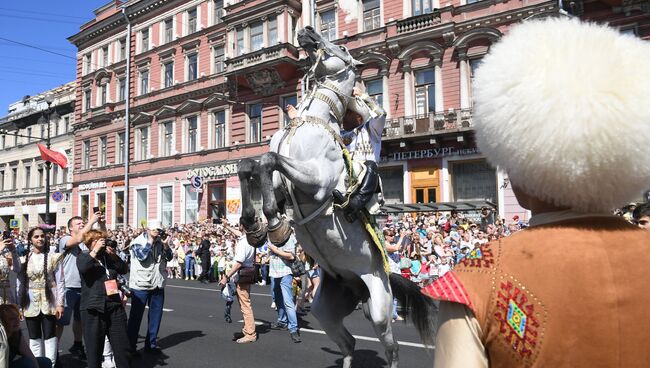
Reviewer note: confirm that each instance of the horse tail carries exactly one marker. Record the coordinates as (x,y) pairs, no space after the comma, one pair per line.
(418,308)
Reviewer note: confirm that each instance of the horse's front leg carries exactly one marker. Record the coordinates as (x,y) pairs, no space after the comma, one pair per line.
(255,228)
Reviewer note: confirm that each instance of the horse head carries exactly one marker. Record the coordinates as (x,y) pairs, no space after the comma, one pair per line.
(328,59)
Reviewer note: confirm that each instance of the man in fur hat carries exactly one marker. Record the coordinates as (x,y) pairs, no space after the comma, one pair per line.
(562,106)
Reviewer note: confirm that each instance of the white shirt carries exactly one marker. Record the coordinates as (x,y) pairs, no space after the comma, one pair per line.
(244,253)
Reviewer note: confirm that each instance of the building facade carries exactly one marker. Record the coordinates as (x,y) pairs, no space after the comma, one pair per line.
(207,82)
(23,172)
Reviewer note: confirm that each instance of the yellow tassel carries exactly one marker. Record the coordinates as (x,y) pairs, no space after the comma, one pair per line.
(375,239)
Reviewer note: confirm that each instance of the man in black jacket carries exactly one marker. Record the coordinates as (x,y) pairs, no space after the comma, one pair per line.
(102,311)
(204,253)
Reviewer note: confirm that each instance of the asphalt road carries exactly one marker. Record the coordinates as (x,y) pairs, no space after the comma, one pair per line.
(194,334)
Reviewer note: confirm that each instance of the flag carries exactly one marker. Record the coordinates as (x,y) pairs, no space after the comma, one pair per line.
(53,156)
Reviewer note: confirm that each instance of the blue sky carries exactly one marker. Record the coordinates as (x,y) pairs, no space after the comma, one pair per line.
(44,24)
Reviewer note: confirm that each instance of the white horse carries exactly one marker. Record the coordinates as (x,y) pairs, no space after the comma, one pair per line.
(303,168)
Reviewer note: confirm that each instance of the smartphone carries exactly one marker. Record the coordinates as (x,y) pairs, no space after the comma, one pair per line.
(6,234)
(95,209)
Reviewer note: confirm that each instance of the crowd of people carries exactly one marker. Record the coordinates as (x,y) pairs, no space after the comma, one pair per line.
(75,275)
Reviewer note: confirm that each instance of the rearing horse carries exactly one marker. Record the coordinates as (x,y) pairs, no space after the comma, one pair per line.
(303,168)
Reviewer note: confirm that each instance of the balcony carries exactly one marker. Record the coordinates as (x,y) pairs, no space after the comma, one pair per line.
(266,70)
(428,124)
(418,22)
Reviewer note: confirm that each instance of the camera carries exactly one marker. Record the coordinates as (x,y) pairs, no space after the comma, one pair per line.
(121,285)
(162,234)
(6,234)
(110,243)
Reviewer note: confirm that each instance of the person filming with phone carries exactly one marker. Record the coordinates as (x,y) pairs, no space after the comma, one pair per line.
(102,311)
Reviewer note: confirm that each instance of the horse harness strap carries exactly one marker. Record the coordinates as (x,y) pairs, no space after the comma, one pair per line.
(330,103)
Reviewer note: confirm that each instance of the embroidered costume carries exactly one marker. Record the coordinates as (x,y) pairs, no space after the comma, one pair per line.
(37,293)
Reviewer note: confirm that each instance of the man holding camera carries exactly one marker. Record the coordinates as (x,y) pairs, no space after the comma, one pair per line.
(150,253)
(72,245)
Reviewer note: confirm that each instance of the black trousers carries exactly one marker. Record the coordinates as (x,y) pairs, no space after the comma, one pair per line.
(112,323)
(205,267)
(42,326)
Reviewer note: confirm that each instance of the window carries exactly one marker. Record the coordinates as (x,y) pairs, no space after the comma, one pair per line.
(192,126)
(86,105)
(66,125)
(217,200)
(40,178)
(144,82)
(119,208)
(28,176)
(191,204)
(143,143)
(102,89)
(2,181)
(273,31)
(218,59)
(328,25)
(474,180)
(54,176)
(422,7)
(102,152)
(167,138)
(218,11)
(87,64)
(375,89)
(141,206)
(120,148)
(191,21)
(105,56)
(371,15)
(169,74)
(122,89)
(425,101)
(144,36)
(85,155)
(473,65)
(100,201)
(14,177)
(166,206)
(240,49)
(64,172)
(169,30)
(257,36)
(85,207)
(472,1)
(123,49)
(288,100)
(43,132)
(2,142)
(29,134)
(254,123)
(192,67)
(219,129)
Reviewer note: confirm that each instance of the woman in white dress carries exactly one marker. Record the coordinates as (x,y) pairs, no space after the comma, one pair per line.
(40,294)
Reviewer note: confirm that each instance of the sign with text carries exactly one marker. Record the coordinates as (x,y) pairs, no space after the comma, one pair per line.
(94,185)
(430,153)
(196,181)
(213,171)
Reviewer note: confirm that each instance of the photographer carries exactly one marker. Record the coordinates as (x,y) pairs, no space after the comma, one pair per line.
(102,312)
(150,253)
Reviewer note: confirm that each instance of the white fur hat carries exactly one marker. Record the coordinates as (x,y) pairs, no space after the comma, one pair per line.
(564,107)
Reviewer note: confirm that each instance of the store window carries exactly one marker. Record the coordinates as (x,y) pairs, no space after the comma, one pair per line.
(100,201)
(119,208)
(84,206)
(392,179)
(166,205)
(141,207)
(217,197)
(191,204)
(474,180)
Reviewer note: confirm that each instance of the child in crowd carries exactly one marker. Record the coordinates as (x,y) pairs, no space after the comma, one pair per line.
(228,291)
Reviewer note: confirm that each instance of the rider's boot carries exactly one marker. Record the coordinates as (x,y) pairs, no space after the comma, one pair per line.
(364,193)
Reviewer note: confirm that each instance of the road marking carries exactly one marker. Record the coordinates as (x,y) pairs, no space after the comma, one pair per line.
(147,307)
(366,338)
(208,289)
(257,323)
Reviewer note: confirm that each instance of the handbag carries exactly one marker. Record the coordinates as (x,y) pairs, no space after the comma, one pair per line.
(247,275)
(297,267)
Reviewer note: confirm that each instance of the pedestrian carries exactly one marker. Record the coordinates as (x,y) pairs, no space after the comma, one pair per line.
(102,311)
(15,343)
(567,291)
(150,253)
(280,271)
(642,216)
(244,259)
(8,259)
(204,253)
(71,245)
(40,294)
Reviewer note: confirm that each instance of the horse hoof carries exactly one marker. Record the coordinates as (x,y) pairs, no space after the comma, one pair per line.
(279,234)
(257,236)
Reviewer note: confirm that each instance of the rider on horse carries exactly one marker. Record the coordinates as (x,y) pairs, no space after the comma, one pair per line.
(361,134)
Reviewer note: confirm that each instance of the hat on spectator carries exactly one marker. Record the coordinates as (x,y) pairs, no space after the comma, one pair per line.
(563,135)
(154,224)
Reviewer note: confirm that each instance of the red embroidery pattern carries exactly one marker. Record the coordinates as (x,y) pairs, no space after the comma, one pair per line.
(519,321)
(449,288)
(481,257)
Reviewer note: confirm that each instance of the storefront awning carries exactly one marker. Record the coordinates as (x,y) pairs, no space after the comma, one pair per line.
(469,206)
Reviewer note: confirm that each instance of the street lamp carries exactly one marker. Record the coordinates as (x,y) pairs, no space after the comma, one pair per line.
(48,116)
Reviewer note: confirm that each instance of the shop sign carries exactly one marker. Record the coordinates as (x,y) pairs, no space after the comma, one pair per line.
(93,185)
(7,204)
(431,153)
(233,203)
(34,202)
(213,171)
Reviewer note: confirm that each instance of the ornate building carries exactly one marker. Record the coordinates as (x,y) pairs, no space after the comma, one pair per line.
(207,82)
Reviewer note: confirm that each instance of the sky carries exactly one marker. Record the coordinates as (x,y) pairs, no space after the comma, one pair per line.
(46,25)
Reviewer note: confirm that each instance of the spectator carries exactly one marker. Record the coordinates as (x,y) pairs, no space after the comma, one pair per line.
(16,343)
(150,253)
(244,258)
(280,272)
(204,253)
(8,258)
(642,216)
(40,294)
(102,312)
